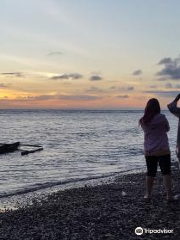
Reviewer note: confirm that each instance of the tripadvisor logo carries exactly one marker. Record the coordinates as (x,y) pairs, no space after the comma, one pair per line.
(140,231)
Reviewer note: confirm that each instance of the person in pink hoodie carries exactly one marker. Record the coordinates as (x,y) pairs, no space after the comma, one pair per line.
(156,147)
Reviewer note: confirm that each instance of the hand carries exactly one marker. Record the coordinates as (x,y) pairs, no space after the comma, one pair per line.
(177,97)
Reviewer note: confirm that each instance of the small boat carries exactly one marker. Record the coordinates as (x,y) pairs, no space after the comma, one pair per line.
(9,147)
(12,147)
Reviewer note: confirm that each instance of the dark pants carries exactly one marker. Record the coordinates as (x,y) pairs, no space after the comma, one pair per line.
(164,163)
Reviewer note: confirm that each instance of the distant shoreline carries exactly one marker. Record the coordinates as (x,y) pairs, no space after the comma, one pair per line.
(66,110)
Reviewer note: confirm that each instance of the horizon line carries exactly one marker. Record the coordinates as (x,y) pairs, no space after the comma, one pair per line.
(77,109)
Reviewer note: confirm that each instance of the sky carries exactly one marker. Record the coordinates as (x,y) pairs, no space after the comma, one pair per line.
(88,54)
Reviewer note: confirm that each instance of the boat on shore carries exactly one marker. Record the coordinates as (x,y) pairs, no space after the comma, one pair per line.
(12,147)
(9,147)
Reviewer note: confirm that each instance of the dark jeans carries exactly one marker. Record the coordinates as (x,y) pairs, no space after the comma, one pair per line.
(164,163)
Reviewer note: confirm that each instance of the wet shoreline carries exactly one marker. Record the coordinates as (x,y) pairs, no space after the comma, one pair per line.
(15,199)
(111,210)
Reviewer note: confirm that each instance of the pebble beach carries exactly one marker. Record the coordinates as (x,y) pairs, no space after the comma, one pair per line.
(112,210)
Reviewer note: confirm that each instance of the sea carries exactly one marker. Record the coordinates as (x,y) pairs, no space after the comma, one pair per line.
(79,145)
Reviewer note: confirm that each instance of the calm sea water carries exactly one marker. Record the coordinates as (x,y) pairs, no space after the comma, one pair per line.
(78,145)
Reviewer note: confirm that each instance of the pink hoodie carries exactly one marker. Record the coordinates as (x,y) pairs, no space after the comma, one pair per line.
(155,136)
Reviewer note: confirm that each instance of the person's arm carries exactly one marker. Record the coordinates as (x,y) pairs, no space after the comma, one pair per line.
(167,125)
(173,106)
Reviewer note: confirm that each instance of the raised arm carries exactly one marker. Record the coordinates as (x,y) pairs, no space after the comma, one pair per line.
(173,106)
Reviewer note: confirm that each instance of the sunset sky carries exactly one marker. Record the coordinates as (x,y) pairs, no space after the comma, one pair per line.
(88,54)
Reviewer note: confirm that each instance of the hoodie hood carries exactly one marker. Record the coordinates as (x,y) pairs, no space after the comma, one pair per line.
(157,123)
(157,119)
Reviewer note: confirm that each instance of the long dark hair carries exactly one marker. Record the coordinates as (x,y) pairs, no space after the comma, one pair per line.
(152,109)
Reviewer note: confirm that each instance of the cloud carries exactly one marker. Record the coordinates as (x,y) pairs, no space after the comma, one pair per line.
(54,54)
(168,85)
(79,97)
(40,97)
(171,69)
(2,85)
(95,78)
(165,61)
(66,76)
(130,88)
(123,96)
(94,89)
(13,74)
(153,86)
(164,93)
(124,89)
(137,72)
(60,97)
(113,88)
(45,97)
